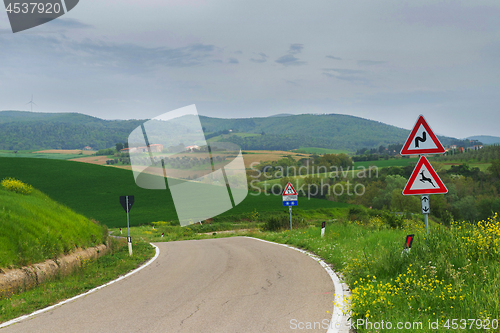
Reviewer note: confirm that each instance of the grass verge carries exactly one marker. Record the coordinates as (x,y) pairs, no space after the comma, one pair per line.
(34,228)
(447,279)
(90,275)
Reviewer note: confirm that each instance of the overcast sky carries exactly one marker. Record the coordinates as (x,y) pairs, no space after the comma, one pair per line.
(383,60)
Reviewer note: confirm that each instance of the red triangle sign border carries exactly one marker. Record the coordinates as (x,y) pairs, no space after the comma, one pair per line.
(440,189)
(439,147)
(286,188)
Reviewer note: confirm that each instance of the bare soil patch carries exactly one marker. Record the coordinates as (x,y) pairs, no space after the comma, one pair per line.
(99,160)
(65,151)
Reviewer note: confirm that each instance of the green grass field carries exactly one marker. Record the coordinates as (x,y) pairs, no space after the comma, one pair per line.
(4,153)
(94,192)
(482,166)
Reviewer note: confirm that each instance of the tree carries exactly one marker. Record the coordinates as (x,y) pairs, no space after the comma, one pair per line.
(494,168)
(119,146)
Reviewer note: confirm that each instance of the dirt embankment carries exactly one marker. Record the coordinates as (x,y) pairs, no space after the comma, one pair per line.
(12,280)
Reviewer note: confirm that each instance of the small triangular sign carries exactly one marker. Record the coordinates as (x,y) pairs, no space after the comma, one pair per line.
(424,180)
(289,190)
(422,140)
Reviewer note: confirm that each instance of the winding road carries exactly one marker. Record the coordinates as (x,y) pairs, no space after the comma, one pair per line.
(221,285)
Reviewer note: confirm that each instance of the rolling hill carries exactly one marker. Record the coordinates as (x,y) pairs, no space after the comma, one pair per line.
(485,139)
(21,130)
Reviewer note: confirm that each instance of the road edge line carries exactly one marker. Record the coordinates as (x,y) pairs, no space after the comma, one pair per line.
(18,319)
(339,322)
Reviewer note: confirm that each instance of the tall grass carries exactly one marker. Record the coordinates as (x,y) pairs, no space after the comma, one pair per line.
(454,273)
(34,228)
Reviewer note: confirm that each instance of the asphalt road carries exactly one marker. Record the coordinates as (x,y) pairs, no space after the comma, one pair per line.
(217,285)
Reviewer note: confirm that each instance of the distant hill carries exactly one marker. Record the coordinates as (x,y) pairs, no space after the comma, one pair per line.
(485,139)
(26,116)
(333,131)
(21,130)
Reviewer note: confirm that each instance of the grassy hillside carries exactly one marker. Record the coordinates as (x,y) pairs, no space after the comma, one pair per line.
(34,228)
(94,191)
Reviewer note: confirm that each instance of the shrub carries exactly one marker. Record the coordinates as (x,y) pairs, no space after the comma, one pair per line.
(17,186)
(282,222)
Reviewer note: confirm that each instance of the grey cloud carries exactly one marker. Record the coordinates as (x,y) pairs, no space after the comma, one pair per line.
(334,58)
(369,62)
(295,48)
(350,75)
(88,57)
(293,83)
(345,71)
(289,60)
(263,58)
(233,61)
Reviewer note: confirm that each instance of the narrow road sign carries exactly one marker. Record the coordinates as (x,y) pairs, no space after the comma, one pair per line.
(426,207)
(422,140)
(123,201)
(424,180)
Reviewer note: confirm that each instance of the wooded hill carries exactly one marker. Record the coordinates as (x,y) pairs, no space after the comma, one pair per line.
(32,130)
(21,130)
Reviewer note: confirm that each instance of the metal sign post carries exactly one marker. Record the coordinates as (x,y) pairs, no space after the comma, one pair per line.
(290,199)
(127,201)
(424,199)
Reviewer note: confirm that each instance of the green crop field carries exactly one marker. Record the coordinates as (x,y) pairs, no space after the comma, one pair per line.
(4,153)
(94,191)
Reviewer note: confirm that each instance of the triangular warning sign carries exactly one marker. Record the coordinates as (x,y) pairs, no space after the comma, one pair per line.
(422,140)
(289,190)
(424,180)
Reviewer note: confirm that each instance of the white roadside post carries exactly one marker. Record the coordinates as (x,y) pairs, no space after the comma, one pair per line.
(127,201)
(129,240)
(290,198)
(323,229)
